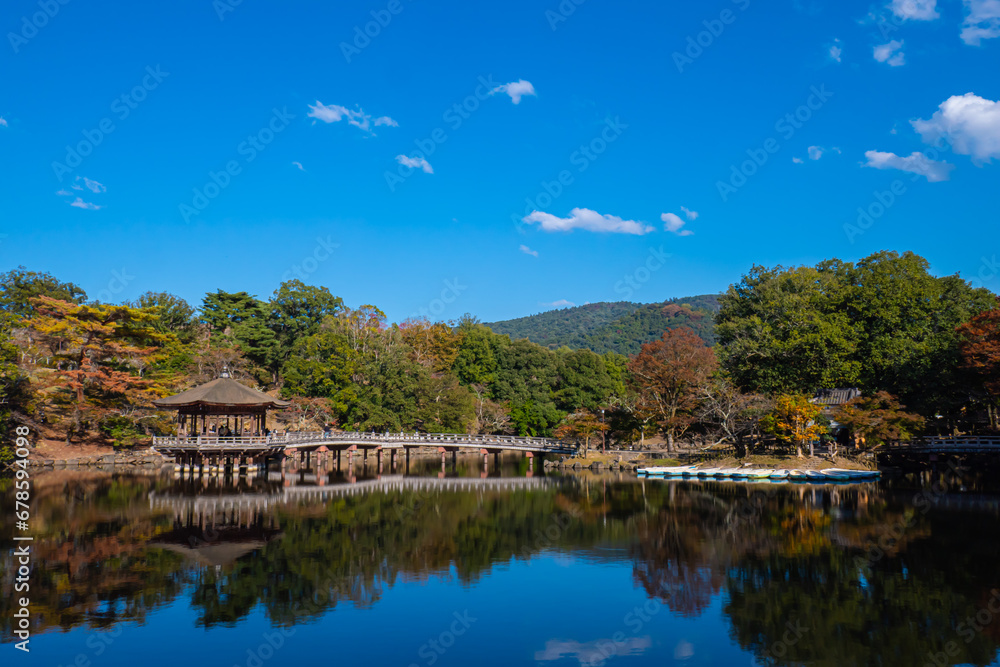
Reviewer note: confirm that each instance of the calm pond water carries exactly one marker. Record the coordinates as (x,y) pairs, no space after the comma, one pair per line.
(507,570)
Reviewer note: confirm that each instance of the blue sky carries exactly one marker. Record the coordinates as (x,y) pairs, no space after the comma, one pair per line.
(648,112)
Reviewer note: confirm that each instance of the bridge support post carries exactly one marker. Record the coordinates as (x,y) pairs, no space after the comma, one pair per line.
(407,459)
(392,460)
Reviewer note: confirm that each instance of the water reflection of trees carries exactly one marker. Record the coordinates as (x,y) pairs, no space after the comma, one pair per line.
(779,555)
(92,566)
(806,581)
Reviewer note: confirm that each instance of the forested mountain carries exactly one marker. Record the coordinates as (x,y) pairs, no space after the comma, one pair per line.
(620,326)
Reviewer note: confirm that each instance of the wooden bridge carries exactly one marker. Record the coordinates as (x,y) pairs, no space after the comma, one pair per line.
(301,447)
(960,444)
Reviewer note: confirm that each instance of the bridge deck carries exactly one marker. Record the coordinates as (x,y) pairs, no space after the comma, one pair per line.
(274,444)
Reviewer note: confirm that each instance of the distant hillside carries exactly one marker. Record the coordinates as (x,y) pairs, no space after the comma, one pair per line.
(620,327)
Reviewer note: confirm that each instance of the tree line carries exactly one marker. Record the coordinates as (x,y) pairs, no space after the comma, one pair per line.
(924,351)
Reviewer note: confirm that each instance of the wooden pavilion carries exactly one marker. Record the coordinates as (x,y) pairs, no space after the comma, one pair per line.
(221,408)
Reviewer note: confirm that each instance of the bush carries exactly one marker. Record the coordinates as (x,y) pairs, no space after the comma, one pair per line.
(122,431)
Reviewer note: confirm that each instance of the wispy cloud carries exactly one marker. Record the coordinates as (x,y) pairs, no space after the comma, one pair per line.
(528,251)
(891,53)
(914,163)
(516,90)
(3,122)
(561,303)
(588,220)
(815,152)
(415,163)
(91,185)
(674,224)
(969,123)
(915,10)
(298,165)
(691,215)
(836,51)
(86,205)
(334,113)
(982,21)
(798,160)
(81,183)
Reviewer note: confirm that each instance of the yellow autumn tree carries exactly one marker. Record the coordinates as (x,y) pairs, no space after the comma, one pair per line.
(98,354)
(793,420)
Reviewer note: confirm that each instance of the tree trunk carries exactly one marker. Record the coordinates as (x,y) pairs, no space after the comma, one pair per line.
(670,442)
(798,449)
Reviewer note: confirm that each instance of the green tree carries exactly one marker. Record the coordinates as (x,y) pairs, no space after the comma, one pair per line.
(241,320)
(19,286)
(15,388)
(784,330)
(174,314)
(584,381)
(298,310)
(476,361)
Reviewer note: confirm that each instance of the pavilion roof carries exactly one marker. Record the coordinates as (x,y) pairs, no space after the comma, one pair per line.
(221,392)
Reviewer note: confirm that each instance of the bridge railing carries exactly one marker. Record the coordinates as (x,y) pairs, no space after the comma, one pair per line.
(952,442)
(400,439)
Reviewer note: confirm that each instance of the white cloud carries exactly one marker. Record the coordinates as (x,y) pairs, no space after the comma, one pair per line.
(915,163)
(91,185)
(334,113)
(3,122)
(982,21)
(691,215)
(299,165)
(87,206)
(561,303)
(673,223)
(836,53)
(528,251)
(415,163)
(815,152)
(916,10)
(516,90)
(798,160)
(969,123)
(64,193)
(591,221)
(891,53)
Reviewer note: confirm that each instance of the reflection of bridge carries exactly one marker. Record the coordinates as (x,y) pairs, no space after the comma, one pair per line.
(225,452)
(245,504)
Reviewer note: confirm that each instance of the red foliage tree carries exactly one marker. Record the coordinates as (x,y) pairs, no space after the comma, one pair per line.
(669,375)
(980,348)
